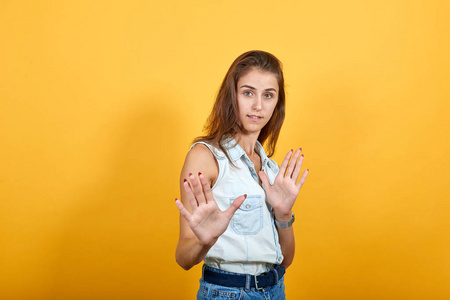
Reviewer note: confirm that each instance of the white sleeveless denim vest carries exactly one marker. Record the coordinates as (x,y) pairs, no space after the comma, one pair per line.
(250,244)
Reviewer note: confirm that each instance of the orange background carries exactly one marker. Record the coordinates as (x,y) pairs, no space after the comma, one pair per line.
(100,101)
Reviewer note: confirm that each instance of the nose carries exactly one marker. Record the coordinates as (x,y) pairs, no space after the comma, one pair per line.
(257,104)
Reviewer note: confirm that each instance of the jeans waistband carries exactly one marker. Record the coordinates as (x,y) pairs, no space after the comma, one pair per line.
(247,281)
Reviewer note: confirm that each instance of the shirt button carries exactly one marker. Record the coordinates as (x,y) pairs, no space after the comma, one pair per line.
(248,206)
(279,259)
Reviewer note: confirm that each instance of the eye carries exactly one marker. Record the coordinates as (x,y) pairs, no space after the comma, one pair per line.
(248,93)
(268,96)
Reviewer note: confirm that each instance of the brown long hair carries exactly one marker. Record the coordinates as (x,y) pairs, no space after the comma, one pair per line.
(223,122)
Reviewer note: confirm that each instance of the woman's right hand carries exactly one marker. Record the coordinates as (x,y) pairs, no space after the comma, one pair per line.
(206,221)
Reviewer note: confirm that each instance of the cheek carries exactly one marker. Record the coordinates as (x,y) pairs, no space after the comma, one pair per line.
(240,109)
(273,107)
(241,106)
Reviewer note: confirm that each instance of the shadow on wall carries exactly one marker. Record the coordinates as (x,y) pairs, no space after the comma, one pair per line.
(120,235)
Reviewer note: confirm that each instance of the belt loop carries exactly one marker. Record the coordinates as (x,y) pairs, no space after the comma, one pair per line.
(248,280)
(203,271)
(275,271)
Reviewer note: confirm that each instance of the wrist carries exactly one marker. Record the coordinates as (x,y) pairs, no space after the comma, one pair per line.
(206,244)
(285,224)
(283,216)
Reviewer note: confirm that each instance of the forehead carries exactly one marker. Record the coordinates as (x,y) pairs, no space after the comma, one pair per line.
(259,79)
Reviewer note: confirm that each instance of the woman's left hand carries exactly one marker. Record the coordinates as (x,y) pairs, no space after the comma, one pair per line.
(285,188)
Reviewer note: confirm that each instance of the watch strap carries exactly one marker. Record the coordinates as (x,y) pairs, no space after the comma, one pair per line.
(285,224)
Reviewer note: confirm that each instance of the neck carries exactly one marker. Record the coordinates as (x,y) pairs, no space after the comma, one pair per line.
(247,143)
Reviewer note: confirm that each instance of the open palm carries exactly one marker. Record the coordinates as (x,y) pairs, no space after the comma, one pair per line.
(285,188)
(207,221)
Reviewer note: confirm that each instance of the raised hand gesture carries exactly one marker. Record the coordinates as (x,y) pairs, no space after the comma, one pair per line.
(207,221)
(285,188)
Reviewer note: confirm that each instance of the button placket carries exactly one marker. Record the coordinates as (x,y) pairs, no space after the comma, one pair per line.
(251,167)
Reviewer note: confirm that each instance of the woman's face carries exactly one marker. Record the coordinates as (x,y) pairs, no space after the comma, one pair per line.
(257,96)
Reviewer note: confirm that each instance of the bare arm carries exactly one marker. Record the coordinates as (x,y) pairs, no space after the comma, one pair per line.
(201,220)
(282,195)
(287,243)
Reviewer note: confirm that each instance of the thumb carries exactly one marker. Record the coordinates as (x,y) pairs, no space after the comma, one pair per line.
(235,205)
(264,179)
(182,210)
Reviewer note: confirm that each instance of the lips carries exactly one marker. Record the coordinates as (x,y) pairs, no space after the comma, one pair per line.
(254,117)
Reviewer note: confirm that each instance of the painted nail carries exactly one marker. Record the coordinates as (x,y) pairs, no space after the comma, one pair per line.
(300,149)
(302,155)
(307,170)
(199,173)
(185,180)
(190,174)
(245,196)
(291,150)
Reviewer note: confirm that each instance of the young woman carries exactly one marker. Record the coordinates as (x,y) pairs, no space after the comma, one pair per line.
(236,203)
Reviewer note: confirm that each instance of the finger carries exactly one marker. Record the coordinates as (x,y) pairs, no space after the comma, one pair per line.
(191,197)
(206,188)
(298,167)
(182,210)
(284,164)
(235,206)
(264,179)
(197,189)
(302,179)
(293,162)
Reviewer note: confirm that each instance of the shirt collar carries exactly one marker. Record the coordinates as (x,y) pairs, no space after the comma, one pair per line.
(235,151)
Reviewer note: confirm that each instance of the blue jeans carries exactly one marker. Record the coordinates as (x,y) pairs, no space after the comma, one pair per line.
(211,291)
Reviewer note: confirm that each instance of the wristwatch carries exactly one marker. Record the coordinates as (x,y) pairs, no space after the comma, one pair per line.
(285,224)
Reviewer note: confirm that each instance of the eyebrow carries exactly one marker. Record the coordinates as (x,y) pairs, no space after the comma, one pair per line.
(250,87)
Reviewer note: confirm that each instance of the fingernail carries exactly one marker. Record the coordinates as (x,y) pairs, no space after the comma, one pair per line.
(307,170)
(292,150)
(185,180)
(176,199)
(190,174)
(302,155)
(199,173)
(300,149)
(245,196)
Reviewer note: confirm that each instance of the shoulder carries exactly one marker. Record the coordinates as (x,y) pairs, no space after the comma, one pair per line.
(200,152)
(201,159)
